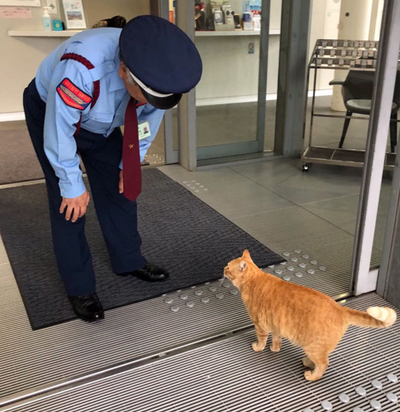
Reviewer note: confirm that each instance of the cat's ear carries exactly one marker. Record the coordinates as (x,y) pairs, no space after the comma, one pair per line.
(243,265)
(246,254)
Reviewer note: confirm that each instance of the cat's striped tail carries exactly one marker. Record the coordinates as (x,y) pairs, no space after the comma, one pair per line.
(375,317)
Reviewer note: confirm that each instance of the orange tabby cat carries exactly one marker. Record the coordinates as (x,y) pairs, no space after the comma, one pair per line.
(306,317)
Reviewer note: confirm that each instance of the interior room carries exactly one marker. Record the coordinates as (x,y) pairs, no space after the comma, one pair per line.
(285,146)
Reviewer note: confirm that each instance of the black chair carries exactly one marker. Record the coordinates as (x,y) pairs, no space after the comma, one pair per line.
(357,91)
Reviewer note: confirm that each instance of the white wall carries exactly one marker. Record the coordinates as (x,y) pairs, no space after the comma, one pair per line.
(230,72)
(21,56)
(20,59)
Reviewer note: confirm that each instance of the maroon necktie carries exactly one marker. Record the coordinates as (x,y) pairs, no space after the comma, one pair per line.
(130,154)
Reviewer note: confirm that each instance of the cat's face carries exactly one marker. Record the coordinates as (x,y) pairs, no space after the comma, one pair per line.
(237,268)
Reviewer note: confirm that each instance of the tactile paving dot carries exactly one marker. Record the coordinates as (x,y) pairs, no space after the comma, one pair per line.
(376,405)
(361,391)
(184,296)
(392,397)
(271,266)
(190,304)
(344,398)
(174,308)
(193,287)
(284,263)
(377,384)
(311,271)
(226,285)
(168,301)
(326,405)
(297,251)
(198,292)
(287,278)
(286,254)
(219,295)
(294,259)
(305,256)
(392,377)
(234,292)
(302,265)
(314,262)
(205,300)
(291,268)
(278,272)
(212,288)
(298,275)
(322,268)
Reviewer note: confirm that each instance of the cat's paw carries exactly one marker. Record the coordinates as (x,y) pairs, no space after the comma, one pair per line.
(310,376)
(257,347)
(274,348)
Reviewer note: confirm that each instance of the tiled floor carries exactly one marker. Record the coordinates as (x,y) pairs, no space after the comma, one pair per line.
(287,209)
(234,123)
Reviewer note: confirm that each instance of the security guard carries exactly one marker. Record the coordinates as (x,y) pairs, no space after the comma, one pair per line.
(83,92)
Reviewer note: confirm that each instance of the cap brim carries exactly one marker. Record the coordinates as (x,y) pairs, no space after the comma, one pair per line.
(163,103)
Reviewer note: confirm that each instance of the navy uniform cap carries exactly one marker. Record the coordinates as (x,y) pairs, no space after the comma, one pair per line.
(163,60)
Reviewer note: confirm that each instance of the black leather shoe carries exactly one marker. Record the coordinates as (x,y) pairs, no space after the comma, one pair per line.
(87,307)
(149,273)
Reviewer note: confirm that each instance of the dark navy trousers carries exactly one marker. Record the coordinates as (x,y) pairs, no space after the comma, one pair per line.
(117,215)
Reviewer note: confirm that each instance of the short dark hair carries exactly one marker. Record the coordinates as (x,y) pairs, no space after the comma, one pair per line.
(116,21)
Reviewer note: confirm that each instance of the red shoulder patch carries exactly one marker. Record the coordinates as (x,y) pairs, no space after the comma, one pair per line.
(72,95)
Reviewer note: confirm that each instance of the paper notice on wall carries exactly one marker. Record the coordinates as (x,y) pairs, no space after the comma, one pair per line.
(15,12)
(52,5)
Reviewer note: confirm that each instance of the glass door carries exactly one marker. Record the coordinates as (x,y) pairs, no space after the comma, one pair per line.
(229,35)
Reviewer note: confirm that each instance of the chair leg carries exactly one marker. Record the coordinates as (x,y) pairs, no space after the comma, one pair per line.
(345,127)
(393,132)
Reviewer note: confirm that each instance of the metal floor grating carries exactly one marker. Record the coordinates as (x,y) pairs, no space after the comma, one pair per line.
(55,354)
(229,376)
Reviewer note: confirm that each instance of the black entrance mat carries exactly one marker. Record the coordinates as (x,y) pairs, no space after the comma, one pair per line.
(179,231)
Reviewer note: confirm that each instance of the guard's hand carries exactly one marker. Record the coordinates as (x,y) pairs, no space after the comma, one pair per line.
(121,182)
(76,206)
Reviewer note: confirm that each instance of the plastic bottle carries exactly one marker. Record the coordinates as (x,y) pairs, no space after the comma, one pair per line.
(46,19)
(257,20)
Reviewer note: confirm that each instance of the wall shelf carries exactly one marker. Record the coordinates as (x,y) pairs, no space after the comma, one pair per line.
(69,33)
(42,33)
(234,33)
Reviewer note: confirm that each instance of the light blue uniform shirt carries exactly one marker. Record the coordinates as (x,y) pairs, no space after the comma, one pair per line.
(100,47)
